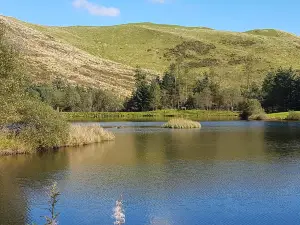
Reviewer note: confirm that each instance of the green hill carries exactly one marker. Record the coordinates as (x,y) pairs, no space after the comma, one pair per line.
(105,56)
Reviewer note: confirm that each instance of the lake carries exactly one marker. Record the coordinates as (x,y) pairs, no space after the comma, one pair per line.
(227,173)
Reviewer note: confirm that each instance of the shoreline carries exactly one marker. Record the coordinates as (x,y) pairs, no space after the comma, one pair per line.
(15,152)
(159,115)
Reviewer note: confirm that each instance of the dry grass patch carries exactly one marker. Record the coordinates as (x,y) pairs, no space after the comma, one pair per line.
(84,135)
(181,124)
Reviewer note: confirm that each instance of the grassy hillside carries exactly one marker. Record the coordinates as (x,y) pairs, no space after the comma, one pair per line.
(46,57)
(109,53)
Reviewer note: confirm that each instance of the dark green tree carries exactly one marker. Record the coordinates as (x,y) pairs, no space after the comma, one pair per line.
(155,95)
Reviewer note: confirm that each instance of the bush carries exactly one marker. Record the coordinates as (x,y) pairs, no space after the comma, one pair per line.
(182,124)
(260,116)
(249,108)
(293,116)
(42,127)
(9,145)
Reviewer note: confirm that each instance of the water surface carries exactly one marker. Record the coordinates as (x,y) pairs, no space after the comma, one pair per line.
(226,173)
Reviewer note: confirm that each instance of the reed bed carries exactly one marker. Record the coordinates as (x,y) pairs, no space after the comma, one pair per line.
(293,116)
(179,123)
(84,135)
(12,146)
(260,116)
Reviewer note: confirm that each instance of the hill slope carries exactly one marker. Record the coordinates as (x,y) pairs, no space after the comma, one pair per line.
(46,58)
(105,56)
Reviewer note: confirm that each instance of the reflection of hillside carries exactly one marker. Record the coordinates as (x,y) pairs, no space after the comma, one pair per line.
(12,203)
(197,145)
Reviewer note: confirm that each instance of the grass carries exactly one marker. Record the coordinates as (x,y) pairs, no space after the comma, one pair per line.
(79,135)
(159,115)
(180,123)
(80,54)
(12,146)
(278,116)
(84,135)
(260,116)
(292,115)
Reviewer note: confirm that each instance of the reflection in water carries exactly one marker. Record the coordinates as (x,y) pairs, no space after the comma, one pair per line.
(225,173)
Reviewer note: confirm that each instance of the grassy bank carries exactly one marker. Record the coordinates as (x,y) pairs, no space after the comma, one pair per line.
(12,146)
(292,115)
(162,115)
(284,116)
(78,136)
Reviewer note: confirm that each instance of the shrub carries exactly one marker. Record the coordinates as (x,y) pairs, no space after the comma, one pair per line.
(260,116)
(293,116)
(83,135)
(180,123)
(9,145)
(42,127)
(250,107)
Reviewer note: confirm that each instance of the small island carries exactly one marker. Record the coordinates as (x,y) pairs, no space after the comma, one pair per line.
(180,123)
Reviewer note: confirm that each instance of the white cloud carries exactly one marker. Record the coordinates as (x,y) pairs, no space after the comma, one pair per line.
(95,9)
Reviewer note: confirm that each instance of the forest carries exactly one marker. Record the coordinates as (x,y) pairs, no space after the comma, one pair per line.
(279,92)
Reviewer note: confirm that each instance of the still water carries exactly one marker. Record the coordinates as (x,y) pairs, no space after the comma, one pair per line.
(226,173)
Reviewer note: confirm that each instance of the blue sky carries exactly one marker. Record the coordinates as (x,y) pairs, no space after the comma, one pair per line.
(235,15)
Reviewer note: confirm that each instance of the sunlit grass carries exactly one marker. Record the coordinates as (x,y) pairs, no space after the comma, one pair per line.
(260,116)
(84,135)
(145,44)
(79,135)
(179,123)
(162,115)
(278,116)
(292,115)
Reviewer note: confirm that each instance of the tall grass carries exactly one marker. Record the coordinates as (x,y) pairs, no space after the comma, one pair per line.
(259,116)
(293,115)
(79,135)
(9,145)
(179,123)
(83,135)
(162,115)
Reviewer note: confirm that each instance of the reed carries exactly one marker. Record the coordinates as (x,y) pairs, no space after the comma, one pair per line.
(260,116)
(10,145)
(179,123)
(293,115)
(84,135)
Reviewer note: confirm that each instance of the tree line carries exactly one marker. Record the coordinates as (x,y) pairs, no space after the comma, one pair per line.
(173,91)
(280,91)
(62,96)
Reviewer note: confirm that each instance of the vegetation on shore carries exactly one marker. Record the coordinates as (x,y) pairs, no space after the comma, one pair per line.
(62,96)
(26,123)
(180,123)
(88,134)
(162,115)
(293,116)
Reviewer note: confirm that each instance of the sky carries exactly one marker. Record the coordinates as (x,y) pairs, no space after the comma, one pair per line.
(231,15)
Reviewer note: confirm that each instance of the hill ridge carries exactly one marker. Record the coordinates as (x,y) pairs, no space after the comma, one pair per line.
(105,56)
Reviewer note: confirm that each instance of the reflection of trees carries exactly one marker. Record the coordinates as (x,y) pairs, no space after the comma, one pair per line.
(282,139)
(13,205)
(13,200)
